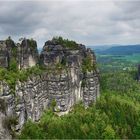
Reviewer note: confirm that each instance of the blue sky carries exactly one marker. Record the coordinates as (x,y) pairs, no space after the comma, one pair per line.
(91,22)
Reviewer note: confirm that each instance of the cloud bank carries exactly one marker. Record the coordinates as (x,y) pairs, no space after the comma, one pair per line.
(90,22)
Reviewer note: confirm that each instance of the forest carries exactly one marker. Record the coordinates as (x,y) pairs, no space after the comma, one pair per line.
(83,86)
(115,115)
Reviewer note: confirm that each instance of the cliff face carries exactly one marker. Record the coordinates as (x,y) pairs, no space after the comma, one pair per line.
(66,81)
(82,80)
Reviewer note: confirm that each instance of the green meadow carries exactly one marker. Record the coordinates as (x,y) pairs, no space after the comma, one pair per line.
(118,62)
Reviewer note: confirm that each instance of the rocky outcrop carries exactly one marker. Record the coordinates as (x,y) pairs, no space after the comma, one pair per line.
(6,52)
(85,84)
(3,55)
(25,54)
(66,81)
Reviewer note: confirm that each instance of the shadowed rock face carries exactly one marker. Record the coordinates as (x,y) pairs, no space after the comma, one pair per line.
(67,81)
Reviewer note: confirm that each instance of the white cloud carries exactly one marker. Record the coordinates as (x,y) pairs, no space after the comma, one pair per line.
(89,22)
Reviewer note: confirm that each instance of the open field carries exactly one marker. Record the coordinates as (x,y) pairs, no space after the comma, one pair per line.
(118,62)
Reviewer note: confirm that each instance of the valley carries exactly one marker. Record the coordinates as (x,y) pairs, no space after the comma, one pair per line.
(115,115)
(122,58)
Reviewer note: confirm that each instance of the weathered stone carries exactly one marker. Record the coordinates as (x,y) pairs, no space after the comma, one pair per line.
(35,95)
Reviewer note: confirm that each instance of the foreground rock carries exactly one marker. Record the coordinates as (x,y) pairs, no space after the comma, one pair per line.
(67,81)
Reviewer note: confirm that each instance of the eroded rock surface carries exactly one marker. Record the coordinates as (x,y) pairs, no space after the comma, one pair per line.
(66,82)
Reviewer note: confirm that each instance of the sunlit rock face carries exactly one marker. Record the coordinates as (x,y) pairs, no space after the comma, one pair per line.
(66,81)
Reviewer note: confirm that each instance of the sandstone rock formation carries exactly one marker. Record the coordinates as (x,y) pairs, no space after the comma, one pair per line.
(3,55)
(25,54)
(28,54)
(71,76)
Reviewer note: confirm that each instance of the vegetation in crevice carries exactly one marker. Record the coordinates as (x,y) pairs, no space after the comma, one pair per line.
(88,65)
(2,106)
(53,104)
(84,83)
(58,67)
(9,123)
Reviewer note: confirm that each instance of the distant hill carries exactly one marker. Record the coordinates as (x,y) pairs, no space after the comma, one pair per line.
(100,47)
(120,50)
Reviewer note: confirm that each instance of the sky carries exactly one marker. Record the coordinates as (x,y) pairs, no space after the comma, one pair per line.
(90,22)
